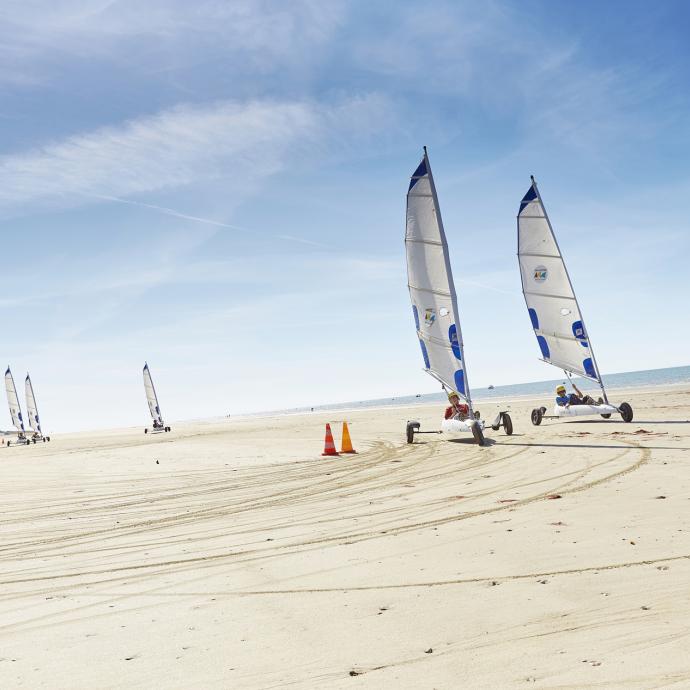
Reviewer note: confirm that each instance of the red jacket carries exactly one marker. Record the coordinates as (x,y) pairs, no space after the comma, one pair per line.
(460,407)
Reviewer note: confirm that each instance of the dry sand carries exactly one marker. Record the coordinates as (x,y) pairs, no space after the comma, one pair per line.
(231,555)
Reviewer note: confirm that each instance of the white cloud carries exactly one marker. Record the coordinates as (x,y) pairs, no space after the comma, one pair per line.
(78,27)
(240,142)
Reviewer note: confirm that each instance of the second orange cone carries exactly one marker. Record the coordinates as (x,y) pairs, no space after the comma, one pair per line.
(347,441)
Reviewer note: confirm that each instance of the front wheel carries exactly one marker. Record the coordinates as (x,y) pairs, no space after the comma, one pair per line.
(537,415)
(478,434)
(606,416)
(146,431)
(507,424)
(626,412)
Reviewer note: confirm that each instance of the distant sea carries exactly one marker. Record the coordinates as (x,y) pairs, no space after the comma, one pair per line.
(629,379)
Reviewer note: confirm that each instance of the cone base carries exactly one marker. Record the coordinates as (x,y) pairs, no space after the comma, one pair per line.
(348,452)
(334,453)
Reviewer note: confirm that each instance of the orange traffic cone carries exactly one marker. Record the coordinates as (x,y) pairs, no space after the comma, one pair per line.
(346,446)
(329,448)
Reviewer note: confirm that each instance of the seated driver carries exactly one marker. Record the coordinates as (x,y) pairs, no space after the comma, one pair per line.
(456,410)
(577,398)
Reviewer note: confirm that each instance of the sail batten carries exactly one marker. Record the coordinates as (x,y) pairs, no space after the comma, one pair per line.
(431,286)
(13,402)
(551,301)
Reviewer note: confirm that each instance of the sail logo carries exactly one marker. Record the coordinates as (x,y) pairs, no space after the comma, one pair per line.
(540,274)
(429,317)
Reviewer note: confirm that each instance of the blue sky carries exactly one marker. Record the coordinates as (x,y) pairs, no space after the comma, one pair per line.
(219,188)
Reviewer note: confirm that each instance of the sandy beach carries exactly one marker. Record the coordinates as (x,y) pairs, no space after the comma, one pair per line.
(231,554)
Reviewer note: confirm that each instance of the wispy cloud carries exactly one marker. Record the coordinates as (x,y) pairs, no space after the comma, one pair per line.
(183,145)
(166,32)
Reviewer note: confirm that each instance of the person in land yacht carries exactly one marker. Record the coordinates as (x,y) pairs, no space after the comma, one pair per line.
(576,398)
(456,409)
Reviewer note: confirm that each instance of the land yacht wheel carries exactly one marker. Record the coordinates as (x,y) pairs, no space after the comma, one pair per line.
(507,423)
(607,416)
(146,431)
(411,428)
(537,415)
(626,412)
(478,434)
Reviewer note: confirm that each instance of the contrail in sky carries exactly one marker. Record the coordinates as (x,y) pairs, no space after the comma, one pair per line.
(207,221)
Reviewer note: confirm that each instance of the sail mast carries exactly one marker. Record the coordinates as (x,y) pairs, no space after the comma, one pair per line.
(151,396)
(582,337)
(451,282)
(31,406)
(430,281)
(13,402)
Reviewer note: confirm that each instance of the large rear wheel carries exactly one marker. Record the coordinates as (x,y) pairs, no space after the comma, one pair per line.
(537,415)
(507,424)
(478,434)
(626,412)
(411,428)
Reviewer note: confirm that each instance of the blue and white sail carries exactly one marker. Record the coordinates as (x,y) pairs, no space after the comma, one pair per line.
(553,308)
(31,407)
(430,280)
(152,398)
(13,401)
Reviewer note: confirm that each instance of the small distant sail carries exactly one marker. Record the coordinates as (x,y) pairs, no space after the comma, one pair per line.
(430,280)
(152,398)
(13,401)
(553,308)
(31,408)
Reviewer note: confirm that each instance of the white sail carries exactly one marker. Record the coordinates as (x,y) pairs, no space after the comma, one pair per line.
(151,397)
(31,408)
(553,308)
(430,280)
(13,401)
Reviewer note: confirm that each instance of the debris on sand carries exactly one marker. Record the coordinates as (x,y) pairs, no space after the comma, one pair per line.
(428,651)
(553,497)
